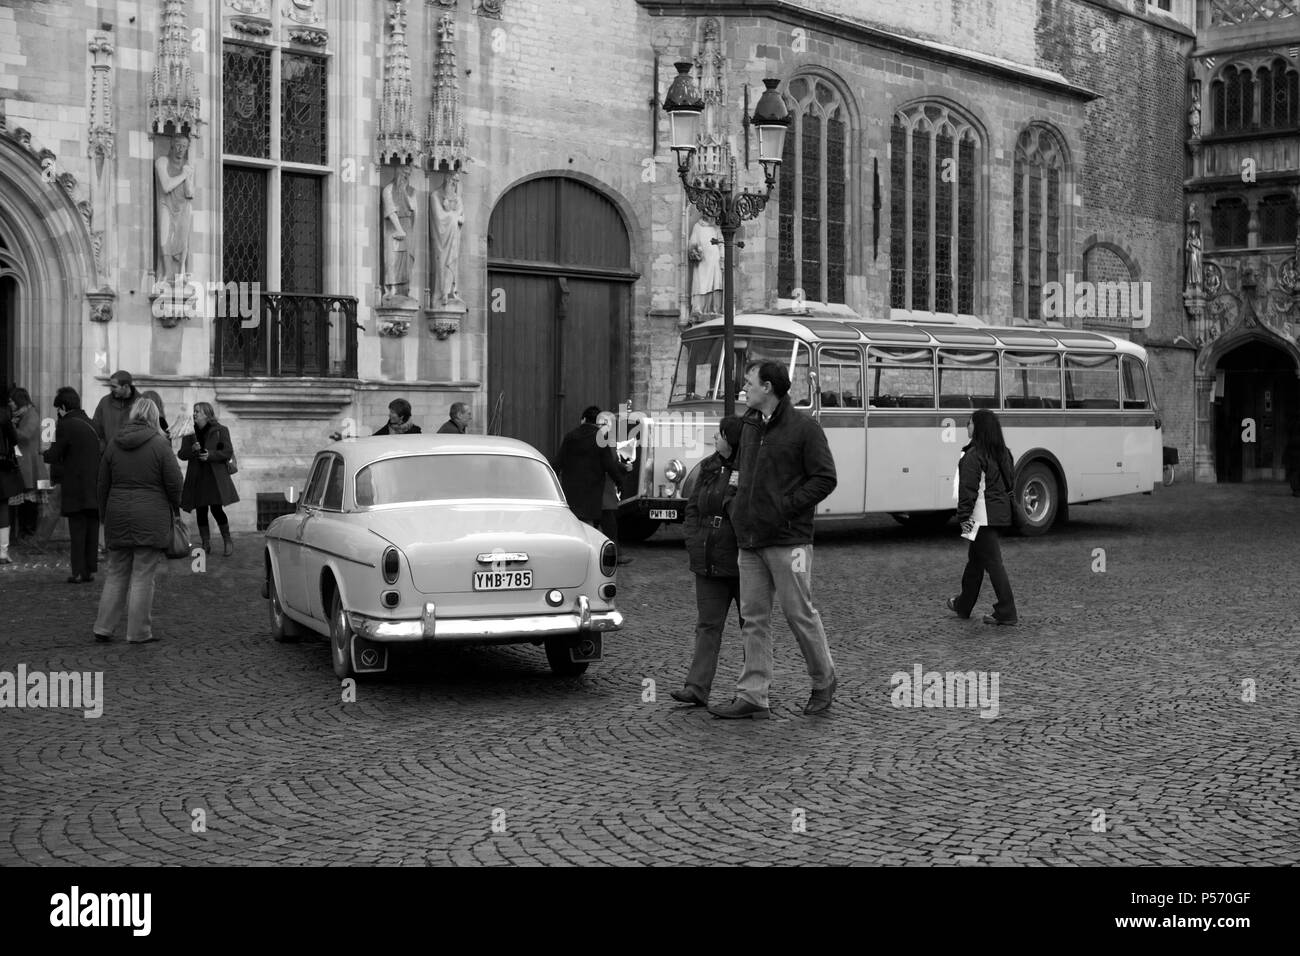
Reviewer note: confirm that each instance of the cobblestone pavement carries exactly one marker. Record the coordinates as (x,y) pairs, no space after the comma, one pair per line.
(1122,735)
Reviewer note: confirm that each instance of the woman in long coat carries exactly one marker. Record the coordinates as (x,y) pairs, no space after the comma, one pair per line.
(74,467)
(984,489)
(207,478)
(27,423)
(11,478)
(139,489)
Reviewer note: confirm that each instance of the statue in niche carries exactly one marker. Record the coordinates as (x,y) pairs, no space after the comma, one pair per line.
(448,219)
(175,196)
(705,252)
(1194,112)
(1194,267)
(398,208)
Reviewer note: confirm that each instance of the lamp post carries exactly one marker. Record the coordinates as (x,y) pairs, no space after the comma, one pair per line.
(716,196)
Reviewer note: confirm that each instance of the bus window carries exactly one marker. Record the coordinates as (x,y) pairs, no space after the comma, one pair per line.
(968,379)
(1134,380)
(1031,379)
(839,376)
(800,377)
(750,349)
(900,377)
(697,370)
(1090,381)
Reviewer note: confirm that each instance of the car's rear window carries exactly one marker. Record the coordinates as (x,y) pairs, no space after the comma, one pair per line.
(437,477)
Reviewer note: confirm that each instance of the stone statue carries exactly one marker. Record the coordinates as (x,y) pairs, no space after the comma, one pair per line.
(706,281)
(175,178)
(1194,113)
(448,219)
(398,207)
(1194,269)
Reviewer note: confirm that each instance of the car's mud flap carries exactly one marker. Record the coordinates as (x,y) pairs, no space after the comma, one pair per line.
(587,647)
(368,657)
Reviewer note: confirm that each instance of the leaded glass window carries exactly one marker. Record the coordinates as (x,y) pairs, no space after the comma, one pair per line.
(1278,96)
(243,257)
(246,100)
(303,114)
(1229,220)
(932,162)
(1277,220)
(1036,240)
(301,237)
(813,220)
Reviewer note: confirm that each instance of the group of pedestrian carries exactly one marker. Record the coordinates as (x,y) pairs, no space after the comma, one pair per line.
(399,421)
(749,538)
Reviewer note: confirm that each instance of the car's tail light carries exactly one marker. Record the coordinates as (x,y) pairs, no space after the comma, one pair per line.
(608,559)
(391,564)
(390,599)
(607,591)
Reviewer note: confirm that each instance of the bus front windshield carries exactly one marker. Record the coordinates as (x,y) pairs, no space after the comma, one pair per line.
(699,372)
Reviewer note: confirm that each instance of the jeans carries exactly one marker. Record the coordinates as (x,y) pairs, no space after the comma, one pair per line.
(786,572)
(128,590)
(713,598)
(83,528)
(985,554)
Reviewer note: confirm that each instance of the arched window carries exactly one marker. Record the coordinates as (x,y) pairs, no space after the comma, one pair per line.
(1277,220)
(1233,100)
(1279,101)
(1104,264)
(933,156)
(812,227)
(1229,219)
(1039,173)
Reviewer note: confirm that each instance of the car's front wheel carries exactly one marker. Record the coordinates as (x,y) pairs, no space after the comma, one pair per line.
(282,628)
(557,655)
(341,635)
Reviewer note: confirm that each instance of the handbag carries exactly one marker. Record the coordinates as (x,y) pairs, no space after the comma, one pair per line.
(1018,517)
(232,466)
(179,547)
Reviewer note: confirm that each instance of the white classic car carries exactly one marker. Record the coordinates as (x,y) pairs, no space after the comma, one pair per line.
(439,539)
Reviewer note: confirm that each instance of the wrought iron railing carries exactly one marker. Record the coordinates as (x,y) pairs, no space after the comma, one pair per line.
(295,336)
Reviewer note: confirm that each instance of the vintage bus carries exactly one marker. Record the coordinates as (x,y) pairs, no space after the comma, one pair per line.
(1078,410)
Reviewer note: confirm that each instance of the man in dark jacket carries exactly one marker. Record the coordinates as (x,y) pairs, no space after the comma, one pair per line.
(74,467)
(785,469)
(584,462)
(711,546)
(114,408)
(458,419)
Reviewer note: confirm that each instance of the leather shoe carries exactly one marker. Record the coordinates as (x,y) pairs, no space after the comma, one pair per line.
(103,638)
(688,696)
(952,606)
(740,708)
(147,640)
(821,699)
(990,619)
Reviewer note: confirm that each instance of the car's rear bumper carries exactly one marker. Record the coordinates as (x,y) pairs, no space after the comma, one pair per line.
(496,630)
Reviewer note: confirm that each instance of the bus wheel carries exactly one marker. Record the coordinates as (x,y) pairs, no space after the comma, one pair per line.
(1040,497)
(636,530)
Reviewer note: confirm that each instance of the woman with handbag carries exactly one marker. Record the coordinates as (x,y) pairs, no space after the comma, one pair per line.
(74,467)
(211,458)
(11,479)
(984,505)
(139,489)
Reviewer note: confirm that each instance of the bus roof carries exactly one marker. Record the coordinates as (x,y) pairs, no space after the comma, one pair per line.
(846,328)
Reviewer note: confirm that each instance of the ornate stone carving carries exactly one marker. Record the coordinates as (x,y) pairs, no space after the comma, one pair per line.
(259,8)
(397,139)
(489,8)
(445,130)
(446,220)
(302,11)
(714,151)
(102,121)
(173,93)
(101,306)
(1194,112)
(394,328)
(175,194)
(442,324)
(309,37)
(398,211)
(256,27)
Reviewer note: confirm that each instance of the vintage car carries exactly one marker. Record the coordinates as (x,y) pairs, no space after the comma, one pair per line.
(437,540)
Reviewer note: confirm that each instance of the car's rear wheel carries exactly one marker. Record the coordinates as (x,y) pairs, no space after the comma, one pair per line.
(282,628)
(557,655)
(341,635)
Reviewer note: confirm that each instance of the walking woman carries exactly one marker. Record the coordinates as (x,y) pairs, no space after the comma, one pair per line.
(714,555)
(11,478)
(74,467)
(984,505)
(139,491)
(207,478)
(27,423)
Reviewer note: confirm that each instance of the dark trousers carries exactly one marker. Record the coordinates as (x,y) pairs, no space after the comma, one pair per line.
(1295,481)
(713,599)
(609,526)
(201,512)
(985,555)
(28,519)
(83,528)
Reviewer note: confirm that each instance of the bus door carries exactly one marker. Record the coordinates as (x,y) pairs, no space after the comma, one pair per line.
(1094,432)
(844,420)
(905,450)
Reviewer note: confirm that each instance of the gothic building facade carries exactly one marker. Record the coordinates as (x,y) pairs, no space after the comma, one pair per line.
(301,209)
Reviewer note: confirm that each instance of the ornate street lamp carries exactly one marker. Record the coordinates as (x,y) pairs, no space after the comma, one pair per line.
(716,196)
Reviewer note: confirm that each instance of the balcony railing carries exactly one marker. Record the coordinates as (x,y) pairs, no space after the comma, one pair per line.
(296,336)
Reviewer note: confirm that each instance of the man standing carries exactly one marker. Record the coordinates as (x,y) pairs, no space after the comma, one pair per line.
(458,419)
(785,468)
(114,408)
(584,463)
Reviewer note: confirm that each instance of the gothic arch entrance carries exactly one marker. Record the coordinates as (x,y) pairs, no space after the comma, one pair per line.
(1256,405)
(559,308)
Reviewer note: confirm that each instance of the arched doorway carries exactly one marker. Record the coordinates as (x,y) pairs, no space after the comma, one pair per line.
(559,308)
(1256,403)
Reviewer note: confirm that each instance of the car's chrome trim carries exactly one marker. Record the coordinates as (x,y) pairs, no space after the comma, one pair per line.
(429,627)
(335,554)
(504,557)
